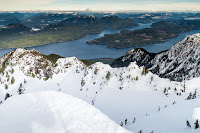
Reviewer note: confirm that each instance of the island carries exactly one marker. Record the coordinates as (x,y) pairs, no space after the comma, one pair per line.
(159,32)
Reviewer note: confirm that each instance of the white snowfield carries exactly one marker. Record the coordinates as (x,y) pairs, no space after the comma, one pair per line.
(53,112)
(149,103)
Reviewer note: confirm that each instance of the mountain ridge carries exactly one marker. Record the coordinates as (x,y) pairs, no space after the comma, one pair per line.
(106,88)
(180,62)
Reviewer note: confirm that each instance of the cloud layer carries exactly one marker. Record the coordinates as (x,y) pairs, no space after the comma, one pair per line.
(99,4)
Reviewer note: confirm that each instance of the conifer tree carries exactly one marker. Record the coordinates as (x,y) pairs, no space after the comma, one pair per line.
(165,90)
(7,96)
(188,124)
(196,124)
(125,121)
(158,108)
(194,95)
(134,120)
(175,89)
(20,90)
(121,124)
(190,96)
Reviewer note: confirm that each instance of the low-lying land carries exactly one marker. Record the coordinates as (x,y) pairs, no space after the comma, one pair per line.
(159,32)
(67,30)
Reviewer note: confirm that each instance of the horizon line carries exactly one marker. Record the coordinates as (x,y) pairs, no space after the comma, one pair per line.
(88,10)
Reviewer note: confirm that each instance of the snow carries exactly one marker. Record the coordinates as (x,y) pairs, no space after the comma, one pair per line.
(196,113)
(53,112)
(35,29)
(180,61)
(182,55)
(119,96)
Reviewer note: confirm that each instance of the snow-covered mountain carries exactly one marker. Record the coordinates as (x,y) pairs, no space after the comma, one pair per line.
(140,55)
(180,62)
(53,112)
(148,103)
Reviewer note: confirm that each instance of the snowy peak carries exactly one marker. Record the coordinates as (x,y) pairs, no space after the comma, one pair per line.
(180,62)
(183,48)
(140,55)
(28,61)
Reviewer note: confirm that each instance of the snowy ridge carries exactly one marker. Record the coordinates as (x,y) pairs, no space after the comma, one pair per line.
(131,93)
(180,62)
(140,55)
(28,61)
(53,112)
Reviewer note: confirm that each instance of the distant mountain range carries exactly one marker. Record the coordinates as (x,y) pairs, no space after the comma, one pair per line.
(68,29)
(9,21)
(14,28)
(107,22)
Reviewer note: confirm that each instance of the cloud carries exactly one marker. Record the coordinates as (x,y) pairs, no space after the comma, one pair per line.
(99,4)
(29,2)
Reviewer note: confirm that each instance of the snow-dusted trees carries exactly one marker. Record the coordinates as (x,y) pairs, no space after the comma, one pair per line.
(20,89)
(192,96)
(195,94)
(189,96)
(145,71)
(82,82)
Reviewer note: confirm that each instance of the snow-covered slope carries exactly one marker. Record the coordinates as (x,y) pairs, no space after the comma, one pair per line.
(53,112)
(180,62)
(140,55)
(131,93)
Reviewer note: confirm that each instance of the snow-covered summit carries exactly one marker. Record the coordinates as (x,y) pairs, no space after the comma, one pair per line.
(28,61)
(53,112)
(181,61)
(140,55)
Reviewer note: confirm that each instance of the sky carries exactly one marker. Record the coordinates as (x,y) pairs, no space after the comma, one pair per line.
(108,5)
